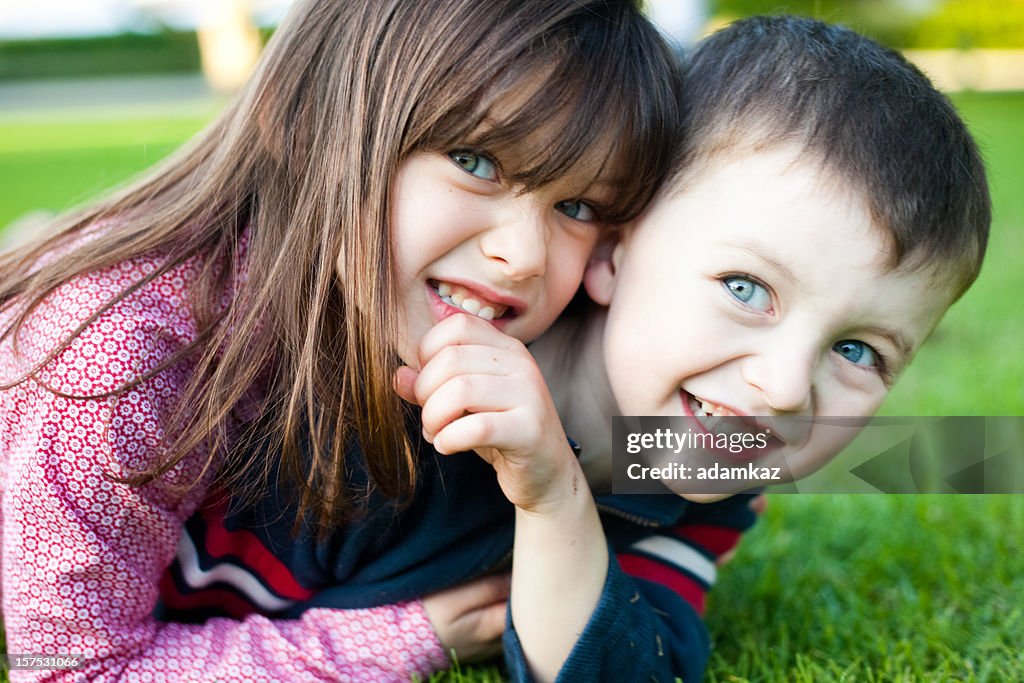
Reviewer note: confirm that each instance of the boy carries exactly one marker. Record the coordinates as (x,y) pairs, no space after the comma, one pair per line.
(814,232)
(828,207)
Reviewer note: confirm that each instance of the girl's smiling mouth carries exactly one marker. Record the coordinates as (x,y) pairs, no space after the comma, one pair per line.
(469,298)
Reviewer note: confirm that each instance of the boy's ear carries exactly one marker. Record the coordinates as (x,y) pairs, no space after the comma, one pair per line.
(599,277)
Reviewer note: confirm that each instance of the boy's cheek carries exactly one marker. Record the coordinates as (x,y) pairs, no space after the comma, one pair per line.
(826,443)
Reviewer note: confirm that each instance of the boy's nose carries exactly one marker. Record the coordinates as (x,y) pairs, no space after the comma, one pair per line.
(784,381)
(518,243)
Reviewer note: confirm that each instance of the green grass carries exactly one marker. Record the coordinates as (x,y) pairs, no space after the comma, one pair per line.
(56,163)
(971,365)
(837,588)
(875,588)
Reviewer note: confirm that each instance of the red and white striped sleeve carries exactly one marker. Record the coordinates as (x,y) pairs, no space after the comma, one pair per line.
(684,557)
(83,553)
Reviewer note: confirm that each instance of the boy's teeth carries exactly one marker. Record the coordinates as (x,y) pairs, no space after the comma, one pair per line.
(459,299)
(702,408)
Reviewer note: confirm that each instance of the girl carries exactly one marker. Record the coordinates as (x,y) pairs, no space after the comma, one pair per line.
(390,163)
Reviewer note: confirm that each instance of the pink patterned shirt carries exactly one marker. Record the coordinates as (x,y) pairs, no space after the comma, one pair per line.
(83,555)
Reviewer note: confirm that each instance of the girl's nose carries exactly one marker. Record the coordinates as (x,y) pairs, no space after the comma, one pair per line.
(518,243)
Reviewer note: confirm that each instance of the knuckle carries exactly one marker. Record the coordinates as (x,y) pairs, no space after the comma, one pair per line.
(485,429)
(451,356)
(461,388)
(460,323)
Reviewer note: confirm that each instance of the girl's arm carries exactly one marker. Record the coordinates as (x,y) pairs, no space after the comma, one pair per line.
(83,554)
(481,390)
(647,623)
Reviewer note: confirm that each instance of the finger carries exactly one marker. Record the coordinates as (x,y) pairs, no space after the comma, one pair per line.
(405,383)
(474,594)
(469,359)
(491,589)
(461,329)
(490,621)
(725,558)
(479,431)
(470,394)
(759,504)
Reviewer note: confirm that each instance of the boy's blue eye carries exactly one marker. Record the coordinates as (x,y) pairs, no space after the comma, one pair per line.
(749,292)
(574,208)
(474,164)
(857,352)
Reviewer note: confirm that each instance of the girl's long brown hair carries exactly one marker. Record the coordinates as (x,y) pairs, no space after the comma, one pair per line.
(303,163)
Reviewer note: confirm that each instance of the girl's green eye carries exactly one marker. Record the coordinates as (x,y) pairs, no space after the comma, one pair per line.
(857,352)
(474,164)
(749,292)
(574,208)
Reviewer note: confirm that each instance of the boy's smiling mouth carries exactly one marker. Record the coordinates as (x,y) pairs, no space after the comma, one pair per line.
(708,414)
(471,301)
(701,408)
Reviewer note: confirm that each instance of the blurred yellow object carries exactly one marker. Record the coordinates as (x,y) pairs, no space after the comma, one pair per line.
(978,69)
(229,43)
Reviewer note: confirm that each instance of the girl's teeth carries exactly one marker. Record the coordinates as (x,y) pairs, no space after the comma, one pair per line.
(470,305)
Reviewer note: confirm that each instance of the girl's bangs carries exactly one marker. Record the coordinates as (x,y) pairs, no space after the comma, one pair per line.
(546,120)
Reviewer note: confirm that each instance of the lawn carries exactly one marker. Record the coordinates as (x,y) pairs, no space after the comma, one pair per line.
(826,588)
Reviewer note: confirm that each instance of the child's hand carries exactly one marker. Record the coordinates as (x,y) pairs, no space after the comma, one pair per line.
(481,390)
(758,505)
(470,618)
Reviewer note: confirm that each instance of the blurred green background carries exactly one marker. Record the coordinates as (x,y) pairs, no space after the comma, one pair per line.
(836,588)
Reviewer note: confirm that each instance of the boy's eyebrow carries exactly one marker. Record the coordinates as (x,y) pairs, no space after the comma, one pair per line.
(757,252)
(903,346)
